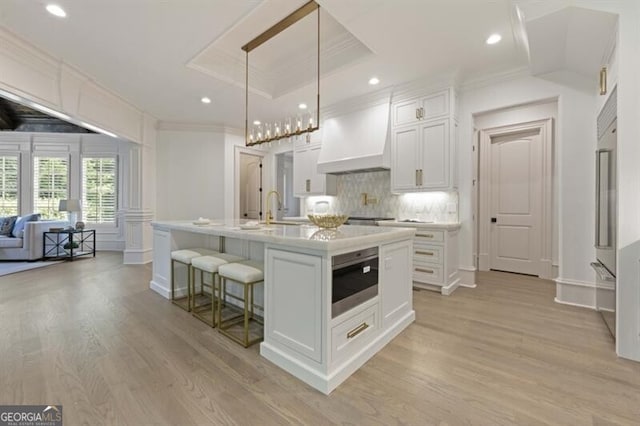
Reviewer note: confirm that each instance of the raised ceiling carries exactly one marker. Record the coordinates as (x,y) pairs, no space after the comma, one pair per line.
(164,55)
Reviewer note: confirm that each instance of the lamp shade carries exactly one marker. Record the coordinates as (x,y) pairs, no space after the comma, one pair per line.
(71,205)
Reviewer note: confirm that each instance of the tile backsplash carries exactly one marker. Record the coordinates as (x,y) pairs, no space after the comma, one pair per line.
(425,206)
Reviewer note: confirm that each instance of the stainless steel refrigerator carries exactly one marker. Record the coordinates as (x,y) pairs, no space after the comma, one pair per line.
(606,213)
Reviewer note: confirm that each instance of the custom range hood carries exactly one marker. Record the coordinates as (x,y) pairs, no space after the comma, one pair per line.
(356,141)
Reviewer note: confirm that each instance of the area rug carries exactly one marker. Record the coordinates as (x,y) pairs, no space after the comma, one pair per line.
(7,268)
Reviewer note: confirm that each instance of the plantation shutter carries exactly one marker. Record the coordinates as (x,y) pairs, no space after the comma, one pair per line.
(99,189)
(9,172)
(50,185)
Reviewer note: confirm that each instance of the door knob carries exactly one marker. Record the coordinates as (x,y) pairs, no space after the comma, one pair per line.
(494,220)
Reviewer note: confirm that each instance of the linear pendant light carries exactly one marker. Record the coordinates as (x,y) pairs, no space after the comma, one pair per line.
(287,130)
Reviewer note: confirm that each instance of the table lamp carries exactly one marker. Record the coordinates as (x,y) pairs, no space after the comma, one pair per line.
(71,206)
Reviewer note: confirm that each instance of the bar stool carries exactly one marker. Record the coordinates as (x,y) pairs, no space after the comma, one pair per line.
(247,273)
(210,264)
(184,257)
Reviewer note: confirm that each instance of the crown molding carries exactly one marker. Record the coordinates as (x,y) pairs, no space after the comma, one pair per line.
(185,126)
(355,104)
(490,79)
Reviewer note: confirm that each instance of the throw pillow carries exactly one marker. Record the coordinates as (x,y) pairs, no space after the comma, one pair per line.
(18,228)
(6,226)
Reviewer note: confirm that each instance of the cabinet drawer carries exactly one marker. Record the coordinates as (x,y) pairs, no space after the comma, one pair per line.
(354,333)
(427,253)
(428,273)
(425,235)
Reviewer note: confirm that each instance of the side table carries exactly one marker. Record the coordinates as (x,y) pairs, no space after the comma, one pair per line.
(68,244)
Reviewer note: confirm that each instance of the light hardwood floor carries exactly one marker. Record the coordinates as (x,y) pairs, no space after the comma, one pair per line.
(91,336)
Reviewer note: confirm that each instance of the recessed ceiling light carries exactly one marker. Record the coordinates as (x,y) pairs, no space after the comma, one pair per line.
(302,106)
(205,100)
(494,38)
(374,80)
(56,10)
(256,123)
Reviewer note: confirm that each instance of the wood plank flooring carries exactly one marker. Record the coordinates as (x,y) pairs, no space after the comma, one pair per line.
(91,336)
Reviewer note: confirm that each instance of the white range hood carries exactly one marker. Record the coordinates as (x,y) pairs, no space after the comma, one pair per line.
(356,142)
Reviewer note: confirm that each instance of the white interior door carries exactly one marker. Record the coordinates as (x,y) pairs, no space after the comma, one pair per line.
(515,203)
(252,191)
(250,182)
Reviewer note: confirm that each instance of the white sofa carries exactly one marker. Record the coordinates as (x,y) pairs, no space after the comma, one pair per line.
(29,247)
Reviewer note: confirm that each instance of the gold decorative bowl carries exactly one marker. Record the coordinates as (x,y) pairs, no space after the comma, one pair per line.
(328,220)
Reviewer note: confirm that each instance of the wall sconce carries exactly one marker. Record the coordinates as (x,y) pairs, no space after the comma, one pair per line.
(291,126)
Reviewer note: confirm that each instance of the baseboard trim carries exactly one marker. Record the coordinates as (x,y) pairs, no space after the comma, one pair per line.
(447,290)
(160,289)
(575,293)
(138,257)
(467,276)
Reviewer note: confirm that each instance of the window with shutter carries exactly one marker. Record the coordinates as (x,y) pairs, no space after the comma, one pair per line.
(99,190)
(50,185)
(9,173)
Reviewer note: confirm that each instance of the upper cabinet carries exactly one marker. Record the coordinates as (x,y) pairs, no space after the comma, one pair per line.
(423,143)
(421,109)
(306,179)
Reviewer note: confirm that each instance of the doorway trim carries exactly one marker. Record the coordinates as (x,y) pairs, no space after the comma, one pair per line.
(545,129)
(236,176)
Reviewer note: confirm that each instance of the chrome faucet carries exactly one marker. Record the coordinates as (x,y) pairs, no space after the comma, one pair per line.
(269,215)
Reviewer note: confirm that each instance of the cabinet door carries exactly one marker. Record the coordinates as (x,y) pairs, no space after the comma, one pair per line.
(318,180)
(306,179)
(294,302)
(404,158)
(406,112)
(436,105)
(395,281)
(300,172)
(434,155)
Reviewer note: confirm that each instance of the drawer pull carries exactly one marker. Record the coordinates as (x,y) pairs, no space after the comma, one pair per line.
(426,253)
(427,271)
(359,329)
(425,235)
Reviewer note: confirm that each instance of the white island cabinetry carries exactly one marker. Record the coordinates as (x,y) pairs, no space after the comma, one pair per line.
(300,334)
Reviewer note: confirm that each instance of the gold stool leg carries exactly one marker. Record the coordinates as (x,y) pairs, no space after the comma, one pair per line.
(246,315)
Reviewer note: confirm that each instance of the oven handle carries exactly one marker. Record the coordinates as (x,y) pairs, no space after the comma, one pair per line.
(353,262)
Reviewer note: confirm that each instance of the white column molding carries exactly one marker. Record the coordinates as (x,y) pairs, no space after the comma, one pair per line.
(139,236)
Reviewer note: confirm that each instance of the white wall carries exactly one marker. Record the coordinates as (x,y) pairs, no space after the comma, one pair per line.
(575,144)
(190,175)
(524,114)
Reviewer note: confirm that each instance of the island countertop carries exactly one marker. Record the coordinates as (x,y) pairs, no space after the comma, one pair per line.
(304,236)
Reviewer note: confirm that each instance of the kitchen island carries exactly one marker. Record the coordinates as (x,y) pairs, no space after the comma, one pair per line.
(301,335)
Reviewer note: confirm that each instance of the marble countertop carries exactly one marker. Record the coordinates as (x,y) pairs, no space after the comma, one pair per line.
(432,225)
(303,236)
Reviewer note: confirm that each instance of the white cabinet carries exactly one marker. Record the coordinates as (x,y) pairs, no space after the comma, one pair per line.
(306,179)
(395,266)
(421,157)
(435,258)
(412,111)
(301,336)
(423,143)
(294,302)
